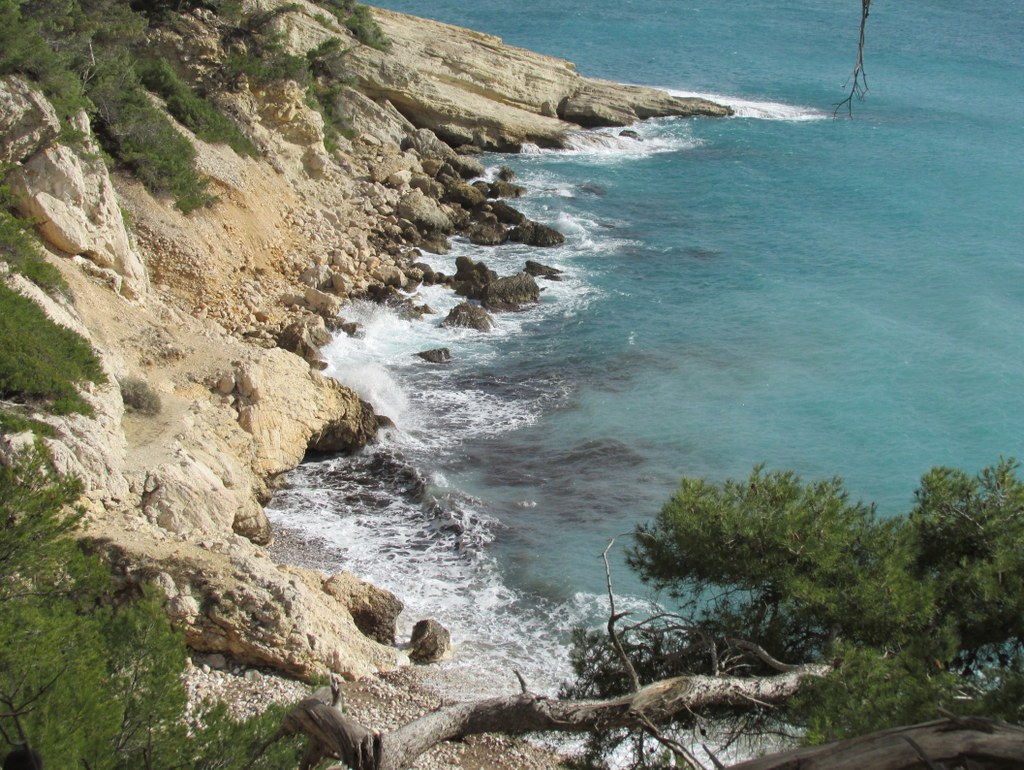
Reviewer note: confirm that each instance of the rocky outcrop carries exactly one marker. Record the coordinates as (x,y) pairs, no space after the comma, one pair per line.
(28,121)
(470,88)
(374,610)
(535,234)
(537,270)
(66,191)
(230,599)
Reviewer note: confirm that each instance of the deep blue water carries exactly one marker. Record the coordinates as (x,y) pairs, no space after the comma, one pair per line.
(840,297)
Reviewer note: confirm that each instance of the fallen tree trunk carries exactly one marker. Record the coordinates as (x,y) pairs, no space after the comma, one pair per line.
(332,734)
(979,744)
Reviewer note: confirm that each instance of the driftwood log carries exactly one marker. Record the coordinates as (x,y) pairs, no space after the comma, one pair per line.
(333,735)
(979,744)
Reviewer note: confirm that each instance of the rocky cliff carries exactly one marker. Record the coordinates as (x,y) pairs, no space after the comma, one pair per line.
(221,311)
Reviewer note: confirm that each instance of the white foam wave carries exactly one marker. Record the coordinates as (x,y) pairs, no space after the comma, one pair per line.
(758,109)
(607,145)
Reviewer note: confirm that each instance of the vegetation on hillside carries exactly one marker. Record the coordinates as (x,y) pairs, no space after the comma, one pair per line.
(915,613)
(89,676)
(92,55)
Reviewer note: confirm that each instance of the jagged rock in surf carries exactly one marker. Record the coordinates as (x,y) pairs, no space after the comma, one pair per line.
(537,270)
(510,293)
(505,213)
(503,189)
(535,234)
(436,356)
(469,316)
(430,643)
(487,233)
(471,277)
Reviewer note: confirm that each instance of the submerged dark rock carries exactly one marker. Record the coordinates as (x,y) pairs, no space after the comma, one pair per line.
(535,234)
(436,356)
(537,270)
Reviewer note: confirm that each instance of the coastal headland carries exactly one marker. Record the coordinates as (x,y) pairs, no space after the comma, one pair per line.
(222,311)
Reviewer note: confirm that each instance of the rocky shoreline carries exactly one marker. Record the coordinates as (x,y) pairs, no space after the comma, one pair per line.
(222,312)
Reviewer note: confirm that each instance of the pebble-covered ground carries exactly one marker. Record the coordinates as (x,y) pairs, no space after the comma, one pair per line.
(383,702)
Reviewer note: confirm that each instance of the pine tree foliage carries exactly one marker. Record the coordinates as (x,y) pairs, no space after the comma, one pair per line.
(916,612)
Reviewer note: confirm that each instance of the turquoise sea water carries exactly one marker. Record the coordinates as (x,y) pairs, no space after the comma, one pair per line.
(841,297)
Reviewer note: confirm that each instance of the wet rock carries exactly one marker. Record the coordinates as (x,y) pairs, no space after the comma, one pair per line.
(431,642)
(428,276)
(487,233)
(505,213)
(436,356)
(630,134)
(469,316)
(465,195)
(537,270)
(510,293)
(435,243)
(593,189)
(505,174)
(535,234)
(501,189)
(471,277)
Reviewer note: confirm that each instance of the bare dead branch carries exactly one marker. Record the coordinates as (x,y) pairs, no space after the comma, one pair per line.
(613,617)
(858,81)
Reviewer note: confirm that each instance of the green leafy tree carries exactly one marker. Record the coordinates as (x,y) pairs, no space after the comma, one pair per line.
(912,613)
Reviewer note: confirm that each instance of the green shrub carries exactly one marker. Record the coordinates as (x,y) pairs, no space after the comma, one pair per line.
(139,397)
(142,137)
(362,24)
(191,110)
(40,360)
(20,251)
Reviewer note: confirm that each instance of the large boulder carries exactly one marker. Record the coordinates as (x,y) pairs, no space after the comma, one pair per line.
(465,195)
(374,610)
(487,233)
(424,212)
(305,338)
(430,643)
(471,277)
(510,293)
(533,233)
(465,315)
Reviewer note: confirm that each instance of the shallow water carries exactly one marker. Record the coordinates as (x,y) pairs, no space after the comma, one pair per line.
(838,297)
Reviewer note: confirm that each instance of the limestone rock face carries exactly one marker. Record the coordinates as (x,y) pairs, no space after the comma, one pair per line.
(230,599)
(28,121)
(284,405)
(470,88)
(69,193)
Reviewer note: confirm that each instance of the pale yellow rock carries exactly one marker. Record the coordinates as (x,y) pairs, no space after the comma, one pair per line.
(28,121)
(68,193)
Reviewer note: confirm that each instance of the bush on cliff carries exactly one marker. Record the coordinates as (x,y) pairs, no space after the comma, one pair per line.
(913,613)
(191,110)
(88,678)
(41,361)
